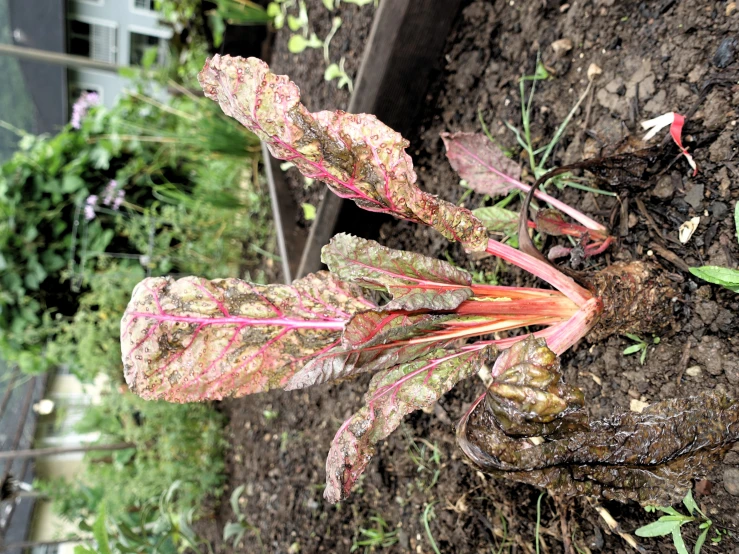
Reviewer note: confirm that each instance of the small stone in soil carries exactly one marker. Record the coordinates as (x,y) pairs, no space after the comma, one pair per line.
(664,188)
(731,480)
(725,52)
(694,197)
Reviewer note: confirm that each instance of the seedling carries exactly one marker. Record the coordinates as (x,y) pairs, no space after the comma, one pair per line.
(277,11)
(193,339)
(299,22)
(299,43)
(309,211)
(640,346)
(426,458)
(724,276)
(375,537)
(335,25)
(234,531)
(428,515)
(334,71)
(673,521)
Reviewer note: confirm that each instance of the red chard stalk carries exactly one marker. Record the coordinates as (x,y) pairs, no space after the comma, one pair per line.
(193,340)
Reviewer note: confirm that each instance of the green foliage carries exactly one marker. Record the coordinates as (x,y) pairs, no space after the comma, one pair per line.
(375,537)
(428,515)
(172,443)
(724,276)
(189,207)
(672,522)
(234,531)
(641,346)
(158,528)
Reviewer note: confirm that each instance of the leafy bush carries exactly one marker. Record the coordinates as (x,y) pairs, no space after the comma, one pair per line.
(184,203)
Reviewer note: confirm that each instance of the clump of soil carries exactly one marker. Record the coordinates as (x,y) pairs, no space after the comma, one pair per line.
(655,57)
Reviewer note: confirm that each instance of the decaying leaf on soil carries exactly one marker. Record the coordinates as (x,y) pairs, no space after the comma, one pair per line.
(650,457)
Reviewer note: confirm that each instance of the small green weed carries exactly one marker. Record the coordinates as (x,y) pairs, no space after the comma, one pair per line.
(234,531)
(375,537)
(724,276)
(672,522)
(427,459)
(428,515)
(641,346)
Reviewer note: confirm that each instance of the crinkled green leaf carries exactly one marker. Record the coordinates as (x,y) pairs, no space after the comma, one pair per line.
(194,339)
(371,341)
(497,219)
(393,394)
(478,161)
(356,155)
(416,282)
(724,276)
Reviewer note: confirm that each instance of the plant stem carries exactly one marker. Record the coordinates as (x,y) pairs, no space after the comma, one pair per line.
(540,269)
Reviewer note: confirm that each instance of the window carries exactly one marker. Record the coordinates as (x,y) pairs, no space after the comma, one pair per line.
(93,40)
(144,5)
(140,43)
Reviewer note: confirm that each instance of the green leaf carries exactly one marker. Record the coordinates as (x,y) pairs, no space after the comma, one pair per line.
(100,533)
(332,72)
(677,539)
(150,57)
(328,4)
(234,500)
(132,73)
(724,276)
(297,44)
(72,183)
(294,23)
(633,349)
(412,279)
(218,26)
(658,528)
(497,219)
(700,540)
(690,504)
(309,211)
(79,549)
(233,531)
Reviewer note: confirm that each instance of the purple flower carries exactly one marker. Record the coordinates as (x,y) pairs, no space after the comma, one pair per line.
(89,210)
(110,193)
(119,199)
(81,106)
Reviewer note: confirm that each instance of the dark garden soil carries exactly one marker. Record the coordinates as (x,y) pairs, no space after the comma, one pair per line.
(655,57)
(307,70)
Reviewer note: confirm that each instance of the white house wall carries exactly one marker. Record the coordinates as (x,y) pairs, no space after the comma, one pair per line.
(126,19)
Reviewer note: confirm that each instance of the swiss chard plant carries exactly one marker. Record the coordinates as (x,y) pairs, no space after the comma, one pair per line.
(419,324)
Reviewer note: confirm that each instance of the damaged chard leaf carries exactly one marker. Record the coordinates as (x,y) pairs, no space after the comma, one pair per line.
(649,457)
(415,282)
(357,156)
(192,339)
(393,394)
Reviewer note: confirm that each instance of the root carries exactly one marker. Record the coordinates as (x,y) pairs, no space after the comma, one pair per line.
(637,298)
